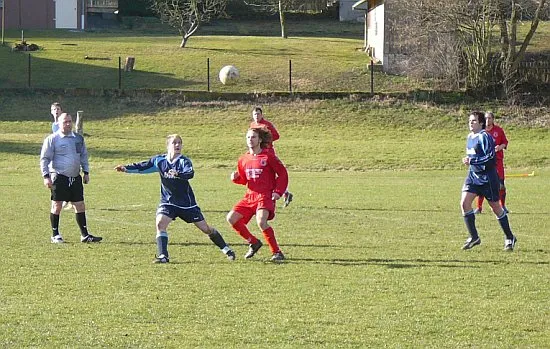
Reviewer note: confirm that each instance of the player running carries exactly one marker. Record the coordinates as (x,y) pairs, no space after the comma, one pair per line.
(482,180)
(266,179)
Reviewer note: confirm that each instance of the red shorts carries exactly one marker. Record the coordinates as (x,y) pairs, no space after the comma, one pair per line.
(253,202)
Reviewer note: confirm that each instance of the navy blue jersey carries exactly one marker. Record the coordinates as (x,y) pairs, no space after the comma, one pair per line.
(480,148)
(174,178)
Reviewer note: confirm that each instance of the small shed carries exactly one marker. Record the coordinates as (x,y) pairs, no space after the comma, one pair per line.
(50,14)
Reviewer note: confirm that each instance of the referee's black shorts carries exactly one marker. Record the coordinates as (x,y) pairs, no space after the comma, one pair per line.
(67,188)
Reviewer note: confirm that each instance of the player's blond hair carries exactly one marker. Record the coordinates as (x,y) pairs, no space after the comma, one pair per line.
(169,140)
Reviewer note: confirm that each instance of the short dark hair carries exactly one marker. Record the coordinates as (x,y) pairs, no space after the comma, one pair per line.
(480,117)
(258,108)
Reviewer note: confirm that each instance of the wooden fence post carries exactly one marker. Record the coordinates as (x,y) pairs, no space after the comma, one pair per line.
(80,122)
(129,64)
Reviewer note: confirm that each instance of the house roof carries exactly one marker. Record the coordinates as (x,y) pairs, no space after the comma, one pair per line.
(361,5)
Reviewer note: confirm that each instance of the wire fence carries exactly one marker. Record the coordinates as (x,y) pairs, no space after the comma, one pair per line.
(129,73)
(119,72)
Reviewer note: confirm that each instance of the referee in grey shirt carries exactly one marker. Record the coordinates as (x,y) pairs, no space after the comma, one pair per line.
(63,154)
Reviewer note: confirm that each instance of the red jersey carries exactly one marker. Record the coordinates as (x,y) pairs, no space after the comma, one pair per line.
(500,138)
(262,173)
(264,123)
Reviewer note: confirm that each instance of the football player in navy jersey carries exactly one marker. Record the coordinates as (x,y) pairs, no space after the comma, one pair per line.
(176,196)
(482,180)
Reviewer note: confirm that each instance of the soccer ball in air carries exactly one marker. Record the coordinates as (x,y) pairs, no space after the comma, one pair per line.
(229,74)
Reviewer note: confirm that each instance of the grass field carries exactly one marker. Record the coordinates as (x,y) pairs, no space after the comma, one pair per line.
(372,239)
(325,56)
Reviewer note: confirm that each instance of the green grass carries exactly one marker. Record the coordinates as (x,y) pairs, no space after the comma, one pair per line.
(372,239)
(325,56)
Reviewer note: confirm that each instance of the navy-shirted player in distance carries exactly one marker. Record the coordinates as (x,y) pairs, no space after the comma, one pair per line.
(482,179)
(176,196)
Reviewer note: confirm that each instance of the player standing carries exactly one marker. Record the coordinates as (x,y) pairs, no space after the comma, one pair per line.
(266,179)
(258,121)
(482,180)
(501,143)
(176,196)
(62,157)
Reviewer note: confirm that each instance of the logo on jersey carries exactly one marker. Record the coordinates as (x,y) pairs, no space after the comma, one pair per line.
(253,173)
(170,173)
(263,162)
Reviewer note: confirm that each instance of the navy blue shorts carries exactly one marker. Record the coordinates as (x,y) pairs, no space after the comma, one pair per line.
(189,215)
(489,188)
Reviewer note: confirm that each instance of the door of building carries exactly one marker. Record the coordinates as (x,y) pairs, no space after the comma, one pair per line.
(66,14)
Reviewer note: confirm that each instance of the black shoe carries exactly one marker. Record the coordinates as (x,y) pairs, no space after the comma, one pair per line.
(90,238)
(278,257)
(288,199)
(469,243)
(509,244)
(161,259)
(230,255)
(253,248)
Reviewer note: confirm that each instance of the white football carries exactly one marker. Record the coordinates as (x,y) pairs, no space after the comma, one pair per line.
(229,74)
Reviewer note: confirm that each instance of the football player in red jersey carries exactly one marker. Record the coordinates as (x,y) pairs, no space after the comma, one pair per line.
(501,143)
(258,121)
(266,179)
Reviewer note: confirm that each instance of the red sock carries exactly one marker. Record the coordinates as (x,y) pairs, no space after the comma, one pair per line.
(269,236)
(243,231)
(480,202)
(502,194)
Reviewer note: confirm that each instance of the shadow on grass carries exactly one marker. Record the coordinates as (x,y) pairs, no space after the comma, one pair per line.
(117,154)
(20,148)
(433,210)
(96,73)
(413,263)
(34,149)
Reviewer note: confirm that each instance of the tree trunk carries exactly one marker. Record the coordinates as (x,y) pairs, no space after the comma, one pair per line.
(184,41)
(511,57)
(282,19)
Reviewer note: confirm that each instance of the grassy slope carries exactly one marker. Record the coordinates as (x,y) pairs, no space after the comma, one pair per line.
(366,135)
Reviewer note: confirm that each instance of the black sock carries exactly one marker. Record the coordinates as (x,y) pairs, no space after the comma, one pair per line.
(505,225)
(81,221)
(470,220)
(162,244)
(54,220)
(217,239)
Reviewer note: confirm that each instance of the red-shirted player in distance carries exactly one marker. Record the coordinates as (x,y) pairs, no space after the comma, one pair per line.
(258,121)
(501,143)
(266,179)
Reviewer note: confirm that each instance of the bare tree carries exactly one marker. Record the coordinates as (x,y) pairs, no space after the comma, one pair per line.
(186,16)
(433,31)
(285,6)
(508,15)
